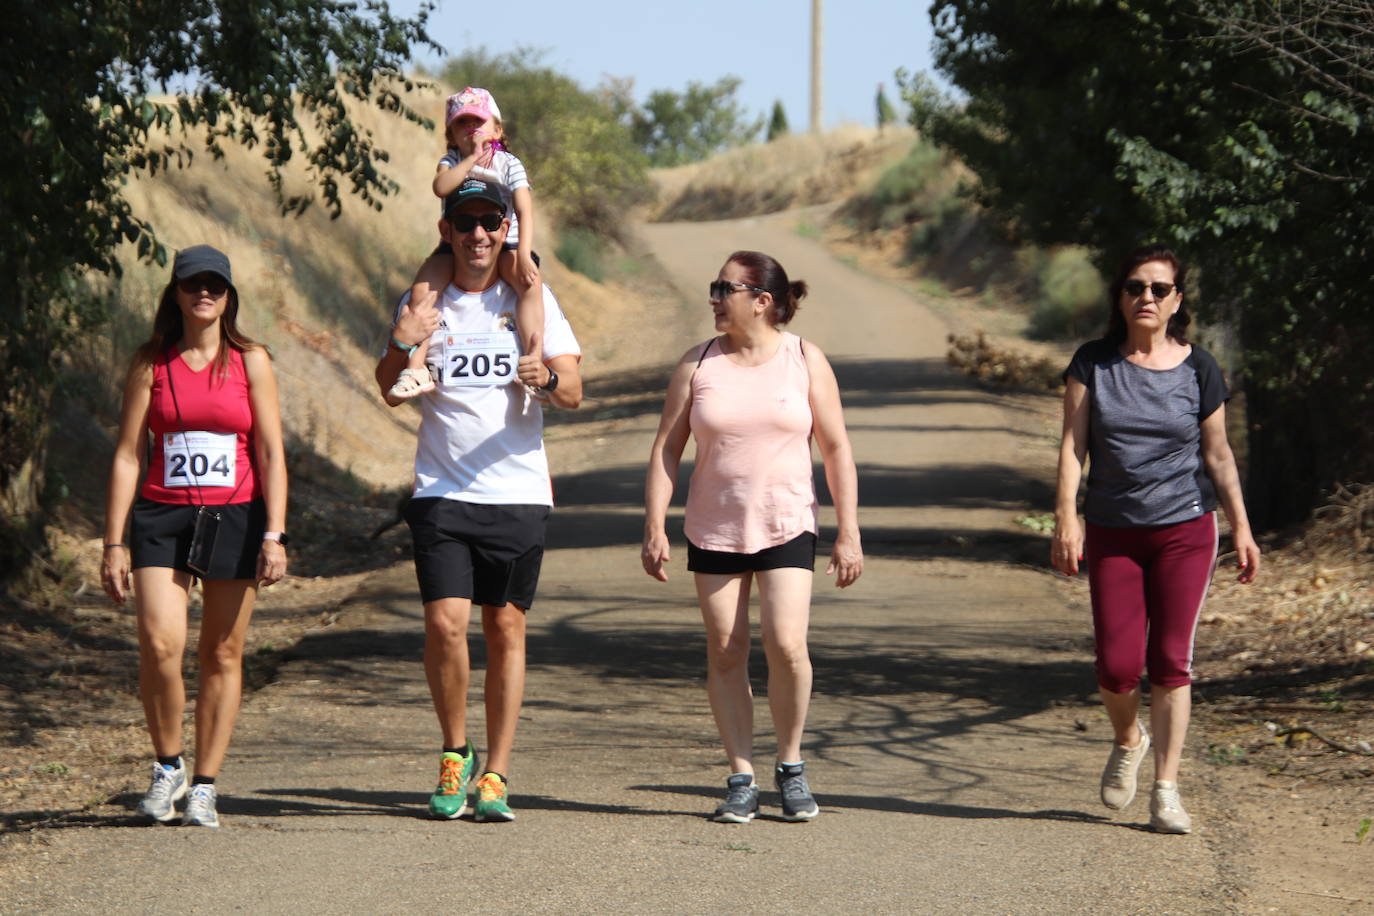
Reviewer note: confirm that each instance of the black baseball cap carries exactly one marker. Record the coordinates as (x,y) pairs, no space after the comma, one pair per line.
(201,259)
(475,189)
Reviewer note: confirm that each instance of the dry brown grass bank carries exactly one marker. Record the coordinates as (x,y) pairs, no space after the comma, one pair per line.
(793,171)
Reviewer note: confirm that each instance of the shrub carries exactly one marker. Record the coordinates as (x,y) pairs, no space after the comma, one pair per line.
(1069,296)
(583,251)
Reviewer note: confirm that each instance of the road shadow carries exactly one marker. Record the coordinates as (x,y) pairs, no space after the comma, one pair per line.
(864,383)
(894,805)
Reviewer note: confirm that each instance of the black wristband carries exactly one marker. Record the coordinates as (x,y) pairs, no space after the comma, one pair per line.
(552,383)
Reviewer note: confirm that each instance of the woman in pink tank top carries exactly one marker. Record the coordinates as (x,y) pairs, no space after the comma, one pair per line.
(201,400)
(753,398)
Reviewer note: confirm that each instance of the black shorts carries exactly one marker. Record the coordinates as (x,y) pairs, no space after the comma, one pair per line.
(488,554)
(161,536)
(799,552)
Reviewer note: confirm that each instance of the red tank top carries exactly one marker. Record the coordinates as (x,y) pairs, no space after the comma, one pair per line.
(205,457)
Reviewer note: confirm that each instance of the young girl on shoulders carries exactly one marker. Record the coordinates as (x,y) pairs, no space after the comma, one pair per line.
(476,148)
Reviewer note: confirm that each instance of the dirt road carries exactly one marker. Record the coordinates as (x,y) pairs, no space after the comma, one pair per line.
(953,745)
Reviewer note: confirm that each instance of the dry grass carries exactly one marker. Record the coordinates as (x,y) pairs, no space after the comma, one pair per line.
(793,171)
(1287,663)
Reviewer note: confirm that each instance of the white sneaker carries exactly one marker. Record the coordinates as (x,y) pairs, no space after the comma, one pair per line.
(1166,811)
(167,787)
(200,807)
(1119,776)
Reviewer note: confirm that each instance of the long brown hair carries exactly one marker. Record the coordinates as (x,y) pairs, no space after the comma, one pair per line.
(168,330)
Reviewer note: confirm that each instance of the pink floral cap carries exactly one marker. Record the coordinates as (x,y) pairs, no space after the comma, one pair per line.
(472,101)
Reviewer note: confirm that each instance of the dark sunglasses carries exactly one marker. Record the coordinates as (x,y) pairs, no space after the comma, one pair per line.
(466,222)
(722,288)
(1136,288)
(213,284)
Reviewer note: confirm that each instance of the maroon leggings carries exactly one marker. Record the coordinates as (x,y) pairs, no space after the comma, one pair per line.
(1147,588)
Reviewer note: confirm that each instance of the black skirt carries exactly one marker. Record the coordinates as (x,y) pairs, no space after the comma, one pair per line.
(161,536)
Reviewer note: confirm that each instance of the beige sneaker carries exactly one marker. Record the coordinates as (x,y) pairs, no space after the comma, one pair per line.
(1119,777)
(1166,811)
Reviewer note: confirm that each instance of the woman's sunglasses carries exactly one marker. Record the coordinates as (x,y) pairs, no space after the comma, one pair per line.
(466,222)
(722,288)
(213,284)
(1136,288)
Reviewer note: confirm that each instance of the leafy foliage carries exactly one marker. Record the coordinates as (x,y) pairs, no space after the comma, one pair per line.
(1236,131)
(583,251)
(674,128)
(777,122)
(80,117)
(584,165)
(884,112)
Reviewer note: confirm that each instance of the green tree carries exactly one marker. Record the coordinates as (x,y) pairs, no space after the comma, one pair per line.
(80,117)
(777,123)
(886,114)
(584,165)
(1236,131)
(674,128)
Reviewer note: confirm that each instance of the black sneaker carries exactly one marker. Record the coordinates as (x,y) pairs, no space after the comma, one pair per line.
(797,802)
(741,800)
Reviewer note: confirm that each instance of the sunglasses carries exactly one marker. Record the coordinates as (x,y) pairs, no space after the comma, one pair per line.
(213,284)
(722,288)
(1136,288)
(466,222)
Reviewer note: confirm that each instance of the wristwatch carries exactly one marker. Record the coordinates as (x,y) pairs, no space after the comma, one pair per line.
(278,536)
(552,383)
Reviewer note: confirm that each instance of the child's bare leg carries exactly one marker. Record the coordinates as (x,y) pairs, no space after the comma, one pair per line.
(529,309)
(424,293)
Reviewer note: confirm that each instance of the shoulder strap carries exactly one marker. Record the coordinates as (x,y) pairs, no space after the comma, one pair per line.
(704,350)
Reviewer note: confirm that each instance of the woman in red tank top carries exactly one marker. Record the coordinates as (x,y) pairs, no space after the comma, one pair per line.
(201,398)
(753,398)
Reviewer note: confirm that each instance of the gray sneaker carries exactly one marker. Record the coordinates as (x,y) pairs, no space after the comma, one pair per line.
(797,802)
(741,800)
(1166,811)
(167,788)
(1119,776)
(200,807)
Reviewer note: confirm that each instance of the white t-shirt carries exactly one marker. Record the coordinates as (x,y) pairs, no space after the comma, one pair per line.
(486,444)
(507,173)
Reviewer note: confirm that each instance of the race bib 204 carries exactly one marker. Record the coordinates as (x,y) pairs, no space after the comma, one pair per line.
(199,459)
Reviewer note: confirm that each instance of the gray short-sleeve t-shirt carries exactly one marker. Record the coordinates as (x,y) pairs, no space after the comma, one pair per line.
(1144,436)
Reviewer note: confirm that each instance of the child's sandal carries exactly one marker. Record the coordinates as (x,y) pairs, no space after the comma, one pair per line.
(412,383)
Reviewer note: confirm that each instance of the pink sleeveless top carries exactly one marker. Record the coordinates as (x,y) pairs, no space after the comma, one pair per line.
(752,487)
(206,457)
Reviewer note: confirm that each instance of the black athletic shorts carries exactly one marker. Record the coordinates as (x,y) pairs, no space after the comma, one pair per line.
(161,536)
(799,552)
(488,554)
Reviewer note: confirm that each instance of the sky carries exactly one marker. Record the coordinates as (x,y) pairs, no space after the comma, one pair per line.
(767,43)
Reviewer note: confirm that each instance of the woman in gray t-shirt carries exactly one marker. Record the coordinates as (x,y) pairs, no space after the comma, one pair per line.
(1150,410)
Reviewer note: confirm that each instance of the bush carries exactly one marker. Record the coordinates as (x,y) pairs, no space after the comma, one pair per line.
(1069,295)
(583,251)
(916,188)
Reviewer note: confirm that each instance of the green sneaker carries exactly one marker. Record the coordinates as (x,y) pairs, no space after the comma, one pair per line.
(450,798)
(492,793)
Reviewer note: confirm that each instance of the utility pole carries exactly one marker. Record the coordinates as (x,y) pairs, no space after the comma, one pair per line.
(815,66)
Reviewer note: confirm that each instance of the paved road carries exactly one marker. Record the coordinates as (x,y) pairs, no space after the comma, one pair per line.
(952,743)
